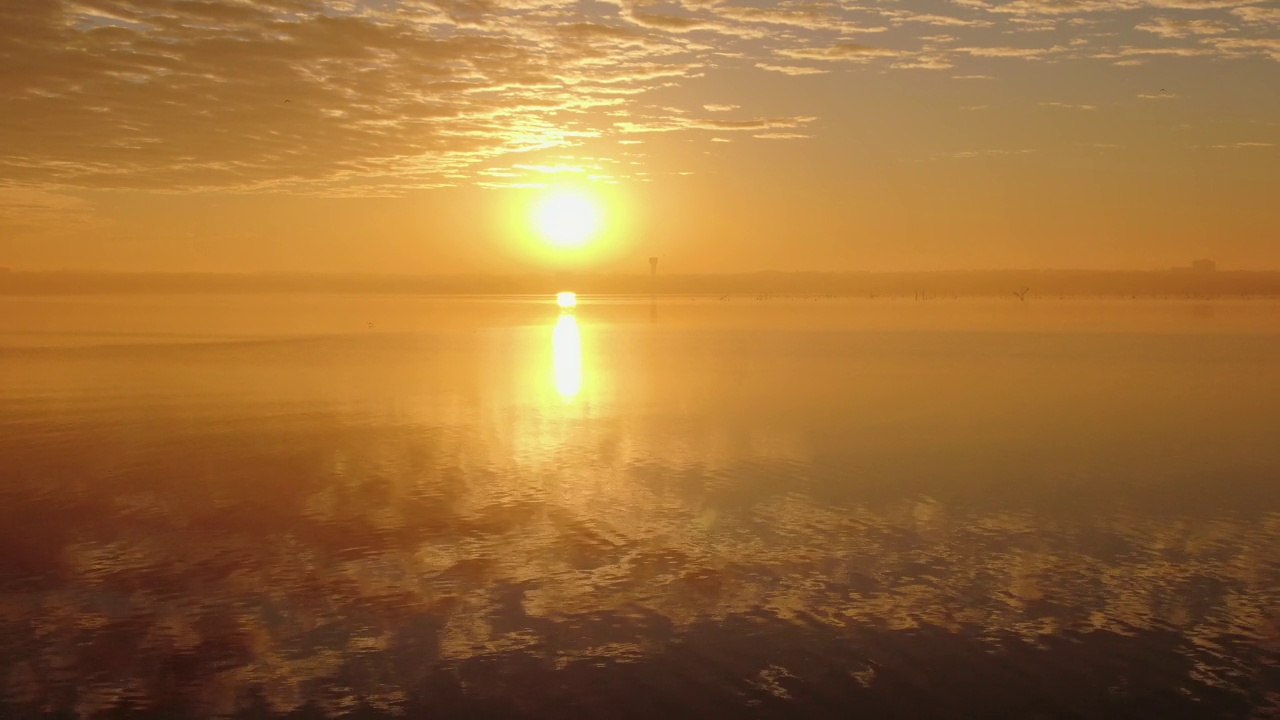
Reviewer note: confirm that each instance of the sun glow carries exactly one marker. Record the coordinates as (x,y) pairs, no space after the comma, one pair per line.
(568,218)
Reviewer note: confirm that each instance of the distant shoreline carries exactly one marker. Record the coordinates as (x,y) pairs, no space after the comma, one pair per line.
(1038,284)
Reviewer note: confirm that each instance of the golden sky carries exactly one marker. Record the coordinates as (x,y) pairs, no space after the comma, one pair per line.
(414,136)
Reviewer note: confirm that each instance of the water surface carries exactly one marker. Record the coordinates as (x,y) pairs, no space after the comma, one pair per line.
(261,506)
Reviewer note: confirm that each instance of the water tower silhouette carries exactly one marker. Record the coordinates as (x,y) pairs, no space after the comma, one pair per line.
(653,265)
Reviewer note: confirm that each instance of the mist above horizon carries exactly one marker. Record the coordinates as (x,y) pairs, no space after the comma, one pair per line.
(1015,285)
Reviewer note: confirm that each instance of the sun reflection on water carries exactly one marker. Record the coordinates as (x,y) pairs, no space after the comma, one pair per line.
(567,357)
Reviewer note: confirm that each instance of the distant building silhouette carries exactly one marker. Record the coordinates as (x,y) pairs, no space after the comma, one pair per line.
(653,265)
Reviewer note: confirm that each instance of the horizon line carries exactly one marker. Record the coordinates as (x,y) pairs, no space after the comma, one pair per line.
(564,273)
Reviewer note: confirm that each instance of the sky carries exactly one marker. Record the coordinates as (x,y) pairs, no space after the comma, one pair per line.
(418,136)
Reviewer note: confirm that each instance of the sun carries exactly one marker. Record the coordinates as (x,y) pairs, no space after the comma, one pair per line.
(568,218)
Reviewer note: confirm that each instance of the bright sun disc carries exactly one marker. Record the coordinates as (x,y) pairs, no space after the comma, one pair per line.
(567,300)
(567,218)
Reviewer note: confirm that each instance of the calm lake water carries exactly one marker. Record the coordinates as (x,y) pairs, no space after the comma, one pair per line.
(479,507)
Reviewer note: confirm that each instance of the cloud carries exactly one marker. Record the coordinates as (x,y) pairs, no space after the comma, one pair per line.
(809,18)
(924,62)
(535,174)
(1198,4)
(1245,47)
(179,95)
(676,23)
(1258,15)
(904,16)
(1126,52)
(1243,145)
(1171,28)
(554,169)
(1033,8)
(854,52)
(672,124)
(1060,7)
(380,96)
(969,154)
(1068,106)
(1005,52)
(791,69)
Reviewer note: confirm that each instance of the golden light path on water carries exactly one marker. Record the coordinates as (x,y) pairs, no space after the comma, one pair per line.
(566,343)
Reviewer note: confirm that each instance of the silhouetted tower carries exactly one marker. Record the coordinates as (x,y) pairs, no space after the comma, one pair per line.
(653,266)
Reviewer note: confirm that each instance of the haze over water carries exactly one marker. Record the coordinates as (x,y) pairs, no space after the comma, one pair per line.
(257,506)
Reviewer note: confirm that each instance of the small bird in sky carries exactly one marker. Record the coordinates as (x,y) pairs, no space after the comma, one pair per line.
(286,102)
